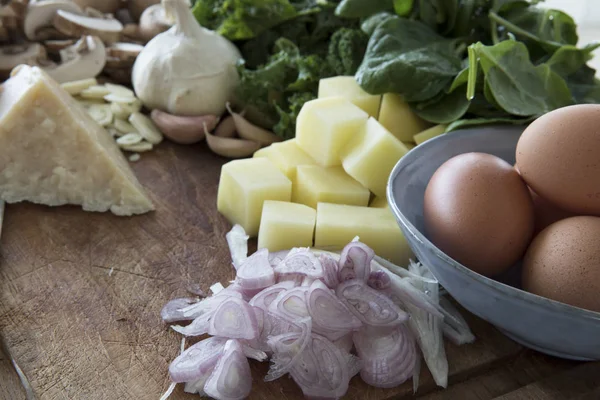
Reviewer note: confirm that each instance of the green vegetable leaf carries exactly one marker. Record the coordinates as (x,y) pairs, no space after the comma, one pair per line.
(569,59)
(369,24)
(362,8)
(408,58)
(286,127)
(403,8)
(448,109)
(518,86)
(469,123)
(346,50)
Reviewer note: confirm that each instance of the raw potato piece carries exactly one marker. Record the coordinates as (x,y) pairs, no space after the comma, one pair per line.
(264,152)
(324,126)
(397,117)
(410,145)
(371,157)
(243,188)
(286,225)
(315,184)
(379,202)
(376,227)
(52,152)
(430,133)
(347,87)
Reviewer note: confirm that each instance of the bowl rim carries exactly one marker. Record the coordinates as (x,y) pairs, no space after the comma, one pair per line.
(494,285)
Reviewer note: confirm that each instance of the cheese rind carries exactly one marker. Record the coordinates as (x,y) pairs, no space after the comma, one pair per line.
(315,184)
(347,87)
(371,157)
(52,152)
(243,188)
(324,127)
(286,225)
(397,117)
(376,227)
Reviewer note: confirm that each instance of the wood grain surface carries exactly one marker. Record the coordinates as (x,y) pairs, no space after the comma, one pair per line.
(80,296)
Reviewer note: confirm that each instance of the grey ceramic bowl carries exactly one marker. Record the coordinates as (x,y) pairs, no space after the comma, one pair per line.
(545,325)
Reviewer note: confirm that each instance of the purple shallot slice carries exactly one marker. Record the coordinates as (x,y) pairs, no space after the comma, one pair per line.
(196,360)
(300,261)
(231,378)
(256,272)
(355,262)
(234,319)
(173,310)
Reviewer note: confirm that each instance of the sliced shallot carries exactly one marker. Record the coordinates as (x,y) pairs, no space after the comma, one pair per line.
(329,313)
(455,327)
(368,305)
(287,349)
(322,370)
(330,270)
(208,304)
(173,310)
(345,343)
(355,262)
(256,272)
(231,378)
(197,360)
(197,386)
(234,319)
(199,325)
(300,261)
(266,296)
(277,257)
(291,304)
(238,245)
(379,280)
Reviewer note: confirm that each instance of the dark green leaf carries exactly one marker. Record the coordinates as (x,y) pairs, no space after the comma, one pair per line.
(569,59)
(362,8)
(448,109)
(403,8)
(288,113)
(516,84)
(369,25)
(346,50)
(406,57)
(469,123)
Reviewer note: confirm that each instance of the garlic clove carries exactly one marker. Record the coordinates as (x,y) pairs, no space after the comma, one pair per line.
(230,147)
(183,130)
(249,131)
(226,128)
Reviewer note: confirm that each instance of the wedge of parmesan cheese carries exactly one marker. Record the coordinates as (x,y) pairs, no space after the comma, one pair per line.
(52,152)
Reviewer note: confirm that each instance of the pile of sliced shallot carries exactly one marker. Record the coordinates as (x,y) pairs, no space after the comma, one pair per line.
(320,317)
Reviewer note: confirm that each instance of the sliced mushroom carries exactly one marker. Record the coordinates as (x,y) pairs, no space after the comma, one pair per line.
(153,21)
(118,63)
(137,7)
(41,14)
(55,46)
(68,23)
(118,75)
(126,52)
(12,56)
(104,6)
(50,33)
(85,59)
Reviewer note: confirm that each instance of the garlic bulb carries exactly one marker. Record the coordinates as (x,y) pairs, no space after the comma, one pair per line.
(187,70)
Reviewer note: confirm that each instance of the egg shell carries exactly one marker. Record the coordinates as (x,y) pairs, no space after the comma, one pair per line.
(563,263)
(478,210)
(558,155)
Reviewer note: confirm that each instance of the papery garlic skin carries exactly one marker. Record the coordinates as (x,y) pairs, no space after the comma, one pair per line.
(187,70)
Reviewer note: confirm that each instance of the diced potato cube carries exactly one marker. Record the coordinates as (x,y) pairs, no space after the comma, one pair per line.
(410,145)
(287,156)
(429,133)
(264,152)
(397,117)
(376,227)
(324,126)
(347,87)
(316,184)
(243,188)
(379,202)
(286,225)
(371,157)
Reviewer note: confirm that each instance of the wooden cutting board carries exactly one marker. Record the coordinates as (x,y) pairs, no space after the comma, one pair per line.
(81,293)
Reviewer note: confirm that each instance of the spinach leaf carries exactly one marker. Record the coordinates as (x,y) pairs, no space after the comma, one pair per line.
(368,26)
(346,50)
(449,108)
(362,8)
(469,123)
(569,59)
(518,86)
(408,58)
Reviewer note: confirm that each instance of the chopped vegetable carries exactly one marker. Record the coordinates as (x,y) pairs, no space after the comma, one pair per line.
(330,317)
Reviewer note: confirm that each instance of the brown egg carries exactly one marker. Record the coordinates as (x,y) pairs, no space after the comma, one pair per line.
(559,157)
(546,213)
(563,263)
(478,210)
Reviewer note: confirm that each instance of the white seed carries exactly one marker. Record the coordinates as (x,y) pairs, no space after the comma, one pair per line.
(129,139)
(76,87)
(101,113)
(120,98)
(123,126)
(94,92)
(146,128)
(119,89)
(134,157)
(138,147)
